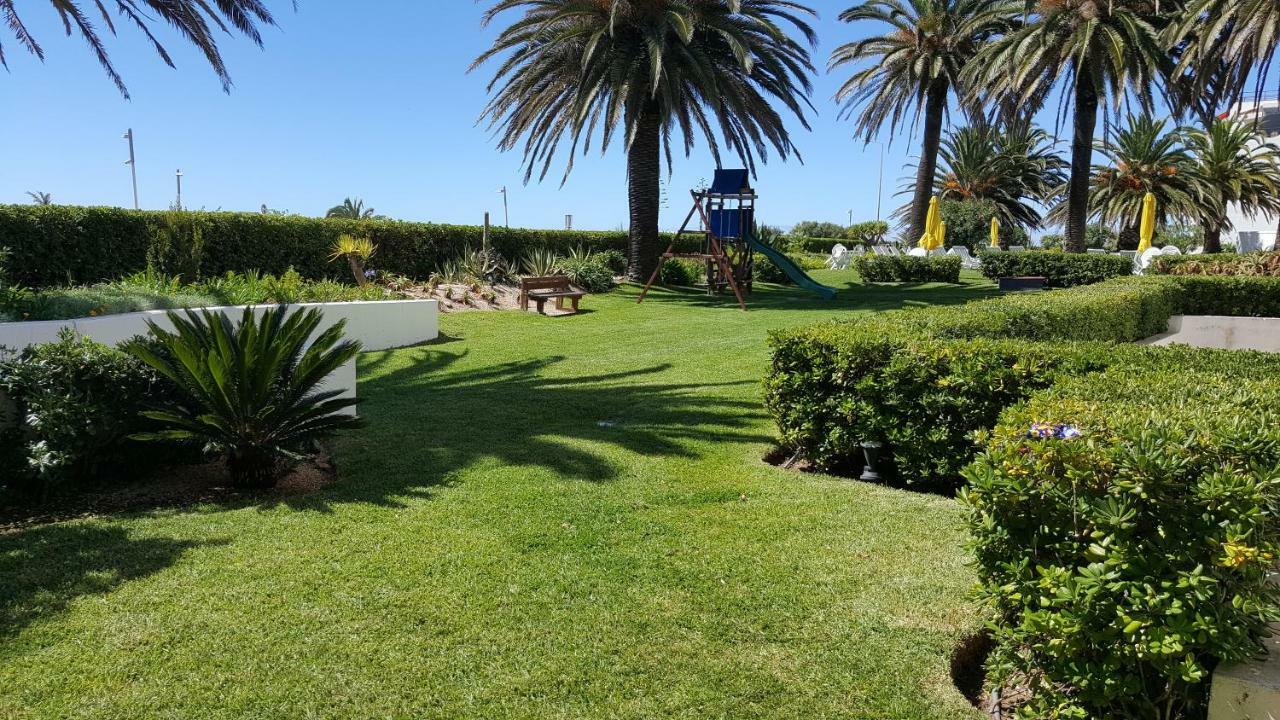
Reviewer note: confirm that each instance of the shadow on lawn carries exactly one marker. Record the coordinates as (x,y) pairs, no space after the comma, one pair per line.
(426,422)
(46,568)
(852,296)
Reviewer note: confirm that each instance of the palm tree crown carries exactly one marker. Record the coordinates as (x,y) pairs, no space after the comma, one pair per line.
(1014,168)
(913,69)
(1230,36)
(1098,49)
(1235,167)
(643,71)
(40,198)
(195,20)
(351,209)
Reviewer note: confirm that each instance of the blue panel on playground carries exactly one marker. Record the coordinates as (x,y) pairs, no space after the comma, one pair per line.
(729,223)
(731,182)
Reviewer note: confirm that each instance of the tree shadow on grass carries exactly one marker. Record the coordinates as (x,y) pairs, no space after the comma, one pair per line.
(852,296)
(44,569)
(426,421)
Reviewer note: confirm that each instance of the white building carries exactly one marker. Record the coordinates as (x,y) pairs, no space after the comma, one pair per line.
(1259,232)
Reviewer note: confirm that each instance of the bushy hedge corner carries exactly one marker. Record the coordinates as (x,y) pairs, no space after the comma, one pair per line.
(1119,567)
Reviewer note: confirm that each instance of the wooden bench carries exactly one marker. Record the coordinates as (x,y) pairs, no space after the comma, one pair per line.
(542,289)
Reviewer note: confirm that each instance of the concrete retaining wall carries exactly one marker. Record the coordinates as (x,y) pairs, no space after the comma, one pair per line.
(379,325)
(1225,333)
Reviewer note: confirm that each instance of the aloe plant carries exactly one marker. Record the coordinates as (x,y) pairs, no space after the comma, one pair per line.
(249,390)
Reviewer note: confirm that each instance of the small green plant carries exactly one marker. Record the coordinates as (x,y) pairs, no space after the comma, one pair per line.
(612,259)
(681,273)
(588,273)
(249,390)
(540,262)
(357,251)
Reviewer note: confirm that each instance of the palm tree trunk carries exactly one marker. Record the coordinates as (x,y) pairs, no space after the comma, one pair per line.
(1213,237)
(934,113)
(644,193)
(1086,121)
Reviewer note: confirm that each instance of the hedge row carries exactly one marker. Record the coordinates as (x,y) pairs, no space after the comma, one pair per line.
(1252,264)
(906,268)
(923,381)
(1063,270)
(63,245)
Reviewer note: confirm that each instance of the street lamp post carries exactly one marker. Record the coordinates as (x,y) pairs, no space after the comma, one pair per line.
(133,166)
(178,175)
(506,215)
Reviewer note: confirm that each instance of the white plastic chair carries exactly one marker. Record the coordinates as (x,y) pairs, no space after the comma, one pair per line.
(839,256)
(1017,248)
(1196,251)
(967,261)
(918,252)
(1170,250)
(1096,251)
(1144,260)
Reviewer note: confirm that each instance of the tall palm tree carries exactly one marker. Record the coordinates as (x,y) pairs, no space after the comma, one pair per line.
(1235,167)
(1015,168)
(1094,49)
(1143,158)
(645,71)
(197,21)
(914,68)
(40,198)
(350,209)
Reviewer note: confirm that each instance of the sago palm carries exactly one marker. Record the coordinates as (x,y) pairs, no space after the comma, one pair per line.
(350,209)
(1236,167)
(913,69)
(250,390)
(1143,157)
(1095,51)
(1015,168)
(647,73)
(197,21)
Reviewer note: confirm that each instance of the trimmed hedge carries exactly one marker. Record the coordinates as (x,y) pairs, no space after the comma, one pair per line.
(924,381)
(905,268)
(64,245)
(1252,264)
(1119,567)
(1063,270)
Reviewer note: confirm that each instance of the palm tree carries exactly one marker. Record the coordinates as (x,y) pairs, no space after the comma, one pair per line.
(1234,36)
(350,209)
(1143,158)
(647,70)
(1097,49)
(40,198)
(197,21)
(1235,167)
(914,68)
(1016,169)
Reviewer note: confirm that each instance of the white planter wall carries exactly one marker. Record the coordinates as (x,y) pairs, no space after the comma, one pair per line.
(1225,333)
(378,325)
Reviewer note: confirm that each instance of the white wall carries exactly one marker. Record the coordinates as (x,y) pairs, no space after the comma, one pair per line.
(1224,333)
(379,325)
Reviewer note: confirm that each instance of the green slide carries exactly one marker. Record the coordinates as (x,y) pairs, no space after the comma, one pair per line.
(793,271)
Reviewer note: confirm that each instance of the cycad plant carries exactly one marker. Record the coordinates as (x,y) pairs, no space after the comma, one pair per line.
(1094,51)
(1236,167)
(912,70)
(249,390)
(1015,168)
(650,74)
(197,21)
(357,251)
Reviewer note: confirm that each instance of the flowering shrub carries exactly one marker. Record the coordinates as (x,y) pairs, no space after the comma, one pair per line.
(1118,567)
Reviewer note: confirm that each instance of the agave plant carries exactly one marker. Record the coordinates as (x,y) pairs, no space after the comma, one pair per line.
(358,251)
(541,262)
(249,390)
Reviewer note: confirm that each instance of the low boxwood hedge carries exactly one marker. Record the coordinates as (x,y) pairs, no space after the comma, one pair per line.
(1062,270)
(1119,566)
(905,268)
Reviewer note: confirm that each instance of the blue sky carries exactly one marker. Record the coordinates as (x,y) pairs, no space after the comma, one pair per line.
(370,100)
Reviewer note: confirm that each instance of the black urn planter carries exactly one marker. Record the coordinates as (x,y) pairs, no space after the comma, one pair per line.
(873,452)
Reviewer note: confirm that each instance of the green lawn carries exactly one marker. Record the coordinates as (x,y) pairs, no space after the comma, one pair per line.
(544,518)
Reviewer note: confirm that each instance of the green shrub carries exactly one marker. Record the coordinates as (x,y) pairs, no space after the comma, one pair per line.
(249,389)
(1062,270)
(871,232)
(590,273)
(682,273)
(818,229)
(615,260)
(765,270)
(969,224)
(905,268)
(815,245)
(1249,265)
(1234,296)
(65,245)
(1118,568)
(72,405)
